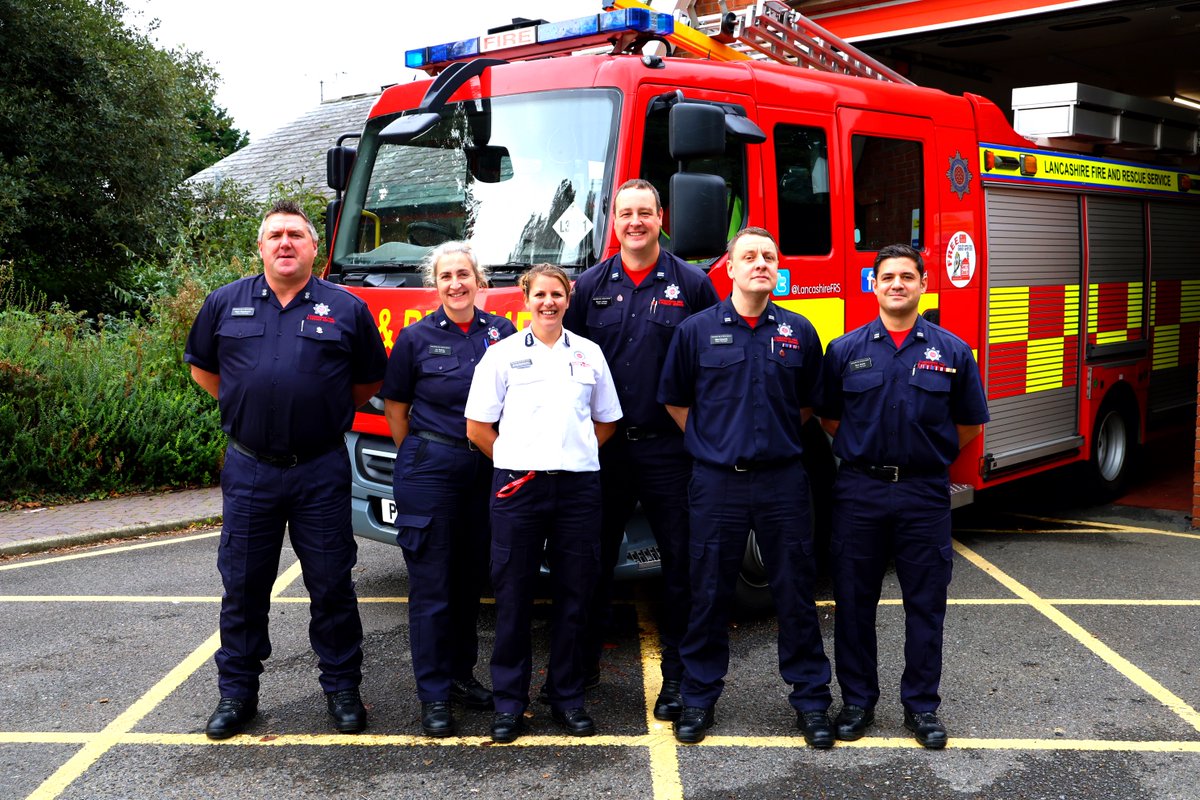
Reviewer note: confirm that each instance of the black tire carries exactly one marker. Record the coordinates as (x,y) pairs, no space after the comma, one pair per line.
(1114,447)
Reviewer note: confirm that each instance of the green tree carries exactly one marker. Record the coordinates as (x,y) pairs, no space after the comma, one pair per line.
(97,129)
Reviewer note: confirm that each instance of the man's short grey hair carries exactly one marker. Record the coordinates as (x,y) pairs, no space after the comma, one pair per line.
(291,208)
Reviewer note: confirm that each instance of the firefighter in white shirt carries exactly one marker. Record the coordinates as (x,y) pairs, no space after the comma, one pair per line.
(552,395)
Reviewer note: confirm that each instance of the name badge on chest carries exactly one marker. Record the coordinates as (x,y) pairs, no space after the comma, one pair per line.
(602,302)
(721,338)
(524,363)
(242,311)
(859,364)
(440,350)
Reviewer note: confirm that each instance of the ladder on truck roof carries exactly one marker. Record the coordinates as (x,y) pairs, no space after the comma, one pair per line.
(769,30)
(765,30)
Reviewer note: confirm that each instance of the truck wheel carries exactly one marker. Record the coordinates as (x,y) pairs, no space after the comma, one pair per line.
(753,594)
(1114,443)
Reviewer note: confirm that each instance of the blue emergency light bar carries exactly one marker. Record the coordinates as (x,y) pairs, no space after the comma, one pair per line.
(537,40)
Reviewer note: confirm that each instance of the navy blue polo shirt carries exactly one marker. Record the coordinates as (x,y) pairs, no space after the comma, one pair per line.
(431,367)
(745,386)
(899,407)
(286,373)
(634,324)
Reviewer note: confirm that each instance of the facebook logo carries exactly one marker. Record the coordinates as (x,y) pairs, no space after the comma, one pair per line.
(868,279)
(783,283)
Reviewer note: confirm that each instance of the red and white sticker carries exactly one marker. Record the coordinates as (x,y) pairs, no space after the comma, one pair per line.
(960,259)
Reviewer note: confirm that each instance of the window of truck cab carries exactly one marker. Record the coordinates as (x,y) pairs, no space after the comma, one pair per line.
(889,193)
(522,177)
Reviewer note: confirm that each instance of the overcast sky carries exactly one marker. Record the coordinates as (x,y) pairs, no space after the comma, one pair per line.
(279,59)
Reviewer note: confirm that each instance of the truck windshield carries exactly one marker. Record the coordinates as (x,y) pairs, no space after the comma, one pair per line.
(521,177)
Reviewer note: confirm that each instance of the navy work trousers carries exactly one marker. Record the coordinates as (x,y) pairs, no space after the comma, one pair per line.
(874,521)
(656,473)
(441,496)
(556,513)
(775,504)
(312,500)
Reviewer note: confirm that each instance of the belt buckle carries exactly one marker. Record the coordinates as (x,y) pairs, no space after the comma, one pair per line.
(471,446)
(740,468)
(895,473)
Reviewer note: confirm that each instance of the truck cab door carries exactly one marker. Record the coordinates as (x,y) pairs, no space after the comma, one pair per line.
(886,168)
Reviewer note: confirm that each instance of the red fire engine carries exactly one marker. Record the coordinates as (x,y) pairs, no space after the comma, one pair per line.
(1069,274)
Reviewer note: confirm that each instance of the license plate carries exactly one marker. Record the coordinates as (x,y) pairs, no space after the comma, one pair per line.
(387,511)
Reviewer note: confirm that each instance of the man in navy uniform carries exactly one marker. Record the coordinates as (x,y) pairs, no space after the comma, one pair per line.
(630,305)
(289,358)
(740,380)
(902,397)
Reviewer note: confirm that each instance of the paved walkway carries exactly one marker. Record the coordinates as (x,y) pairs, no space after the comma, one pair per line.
(31,530)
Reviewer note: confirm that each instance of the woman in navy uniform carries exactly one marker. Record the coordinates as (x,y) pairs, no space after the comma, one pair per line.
(553,397)
(441,483)
(740,380)
(902,397)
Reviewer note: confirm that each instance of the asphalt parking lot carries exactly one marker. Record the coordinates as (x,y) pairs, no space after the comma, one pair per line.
(1071,672)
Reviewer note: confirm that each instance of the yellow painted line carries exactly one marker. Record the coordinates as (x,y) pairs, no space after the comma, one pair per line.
(108,738)
(382,740)
(162,541)
(650,686)
(653,741)
(665,779)
(1118,662)
(104,598)
(1108,526)
(1092,531)
(961,743)
(1077,601)
(39,737)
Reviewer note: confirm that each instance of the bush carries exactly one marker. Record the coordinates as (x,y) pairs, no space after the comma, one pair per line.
(91,409)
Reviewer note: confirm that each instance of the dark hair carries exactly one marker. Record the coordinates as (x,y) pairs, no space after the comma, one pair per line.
(291,208)
(640,183)
(750,231)
(550,271)
(900,251)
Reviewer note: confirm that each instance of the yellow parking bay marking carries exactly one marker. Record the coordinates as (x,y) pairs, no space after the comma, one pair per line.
(91,752)
(665,780)
(1106,653)
(108,551)
(655,741)
(1080,526)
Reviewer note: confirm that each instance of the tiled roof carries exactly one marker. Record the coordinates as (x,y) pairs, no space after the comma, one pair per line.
(295,151)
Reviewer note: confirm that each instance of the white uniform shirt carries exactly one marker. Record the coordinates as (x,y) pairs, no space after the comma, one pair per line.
(545,399)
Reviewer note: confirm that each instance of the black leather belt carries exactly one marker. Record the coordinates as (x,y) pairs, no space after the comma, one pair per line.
(282,460)
(893,474)
(755,466)
(441,438)
(636,434)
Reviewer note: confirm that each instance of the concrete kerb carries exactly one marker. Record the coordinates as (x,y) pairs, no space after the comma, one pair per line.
(73,524)
(38,544)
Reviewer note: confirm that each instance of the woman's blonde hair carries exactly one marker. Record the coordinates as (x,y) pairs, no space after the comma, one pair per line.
(549,270)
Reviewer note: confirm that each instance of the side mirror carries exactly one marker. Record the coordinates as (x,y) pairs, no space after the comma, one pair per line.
(696,130)
(338,163)
(489,163)
(699,215)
